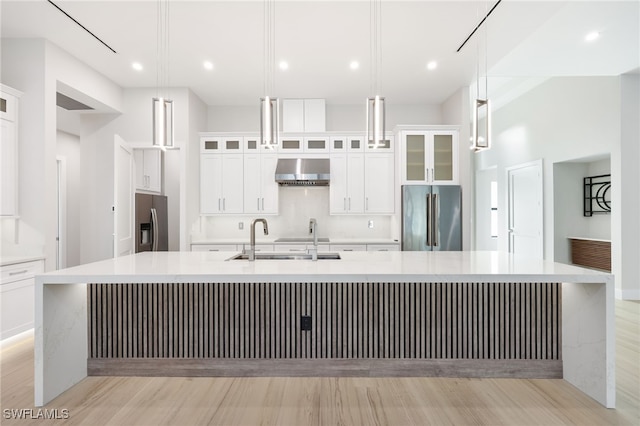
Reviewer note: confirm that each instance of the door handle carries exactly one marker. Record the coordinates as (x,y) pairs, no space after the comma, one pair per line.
(436,219)
(154,225)
(428,218)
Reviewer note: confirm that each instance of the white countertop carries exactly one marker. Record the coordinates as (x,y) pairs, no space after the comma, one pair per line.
(169,267)
(589,239)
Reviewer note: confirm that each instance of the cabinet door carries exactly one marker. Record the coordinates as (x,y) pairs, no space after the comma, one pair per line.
(252,183)
(270,189)
(338,185)
(355,179)
(8,163)
(379,183)
(443,152)
(318,144)
(232,184)
(153,169)
(210,184)
(415,157)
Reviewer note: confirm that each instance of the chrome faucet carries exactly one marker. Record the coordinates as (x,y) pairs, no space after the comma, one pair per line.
(252,250)
(313,227)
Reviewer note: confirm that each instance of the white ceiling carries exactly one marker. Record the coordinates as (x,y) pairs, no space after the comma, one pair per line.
(319,39)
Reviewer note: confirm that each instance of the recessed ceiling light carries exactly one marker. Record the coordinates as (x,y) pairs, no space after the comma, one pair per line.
(432,65)
(354,65)
(283,65)
(137,66)
(592,36)
(208,65)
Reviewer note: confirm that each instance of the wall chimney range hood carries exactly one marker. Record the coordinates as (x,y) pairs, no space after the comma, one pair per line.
(302,172)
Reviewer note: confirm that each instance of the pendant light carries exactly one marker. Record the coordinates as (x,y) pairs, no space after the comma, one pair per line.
(481,140)
(375,105)
(162,106)
(269,105)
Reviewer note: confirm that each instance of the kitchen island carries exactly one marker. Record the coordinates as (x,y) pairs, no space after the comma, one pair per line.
(455,314)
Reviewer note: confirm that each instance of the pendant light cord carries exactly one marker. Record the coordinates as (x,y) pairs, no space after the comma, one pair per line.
(269,46)
(375,47)
(162,35)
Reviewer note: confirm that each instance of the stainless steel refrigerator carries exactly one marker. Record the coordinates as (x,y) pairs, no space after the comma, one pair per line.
(431,218)
(151,223)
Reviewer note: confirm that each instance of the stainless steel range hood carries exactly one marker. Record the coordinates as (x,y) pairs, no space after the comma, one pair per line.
(302,171)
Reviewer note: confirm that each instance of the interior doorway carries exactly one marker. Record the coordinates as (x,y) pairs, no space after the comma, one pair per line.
(525,209)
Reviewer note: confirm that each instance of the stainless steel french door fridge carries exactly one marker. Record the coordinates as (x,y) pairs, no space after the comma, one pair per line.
(431,218)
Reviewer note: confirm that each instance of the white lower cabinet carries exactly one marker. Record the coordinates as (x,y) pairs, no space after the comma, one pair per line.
(383,247)
(221,189)
(216,247)
(17,300)
(348,247)
(260,187)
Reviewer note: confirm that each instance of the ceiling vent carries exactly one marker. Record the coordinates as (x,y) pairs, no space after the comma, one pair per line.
(70,104)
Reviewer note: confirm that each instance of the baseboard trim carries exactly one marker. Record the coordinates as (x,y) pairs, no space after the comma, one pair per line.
(181,367)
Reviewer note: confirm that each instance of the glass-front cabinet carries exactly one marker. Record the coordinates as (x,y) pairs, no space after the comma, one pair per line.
(429,157)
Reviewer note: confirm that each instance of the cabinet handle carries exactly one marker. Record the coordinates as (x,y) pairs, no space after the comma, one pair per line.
(344,202)
(224,204)
(258,200)
(263,204)
(433,176)
(214,249)
(219,204)
(18,272)
(349,203)
(366,203)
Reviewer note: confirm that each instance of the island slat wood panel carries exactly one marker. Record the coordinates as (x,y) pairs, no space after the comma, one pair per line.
(591,253)
(509,329)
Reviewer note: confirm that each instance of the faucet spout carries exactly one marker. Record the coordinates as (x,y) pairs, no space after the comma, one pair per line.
(313,228)
(252,240)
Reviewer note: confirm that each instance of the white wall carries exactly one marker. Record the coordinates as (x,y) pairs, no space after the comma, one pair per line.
(625,226)
(565,119)
(338,117)
(455,110)
(36,67)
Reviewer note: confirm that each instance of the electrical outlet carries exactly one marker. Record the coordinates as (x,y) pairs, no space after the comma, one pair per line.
(370,225)
(305,323)
(240,225)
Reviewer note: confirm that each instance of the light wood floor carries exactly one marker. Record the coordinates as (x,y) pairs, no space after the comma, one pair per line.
(331,401)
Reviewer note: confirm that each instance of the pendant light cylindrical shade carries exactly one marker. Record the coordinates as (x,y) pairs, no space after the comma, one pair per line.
(375,121)
(269,119)
(162,110)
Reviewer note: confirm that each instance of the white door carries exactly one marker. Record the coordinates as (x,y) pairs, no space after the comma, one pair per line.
(525,209)
(123,205)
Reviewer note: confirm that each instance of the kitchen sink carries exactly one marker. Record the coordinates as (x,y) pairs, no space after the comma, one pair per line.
(286,256)
(301,240)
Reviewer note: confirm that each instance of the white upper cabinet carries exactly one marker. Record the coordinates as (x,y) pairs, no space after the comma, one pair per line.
(260,187)
(9,151)
(148,164)
(346,191)
(379,183)
(429,157)
(215,144)
(221,190)
(303,115)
